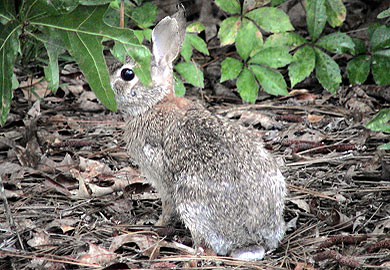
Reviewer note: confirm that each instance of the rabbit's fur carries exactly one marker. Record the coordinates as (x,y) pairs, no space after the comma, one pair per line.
(215,175)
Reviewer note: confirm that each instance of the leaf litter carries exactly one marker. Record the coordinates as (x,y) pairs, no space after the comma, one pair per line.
(84,204)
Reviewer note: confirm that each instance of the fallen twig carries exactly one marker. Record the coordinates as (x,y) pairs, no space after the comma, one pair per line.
(345,239)
(342,259)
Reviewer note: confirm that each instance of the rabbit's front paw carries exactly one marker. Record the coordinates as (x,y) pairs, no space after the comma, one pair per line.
(252,253)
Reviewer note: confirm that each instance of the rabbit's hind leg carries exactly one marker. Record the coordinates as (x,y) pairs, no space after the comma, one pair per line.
(251,253)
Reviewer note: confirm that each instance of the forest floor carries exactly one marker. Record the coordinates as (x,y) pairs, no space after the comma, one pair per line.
(73,200)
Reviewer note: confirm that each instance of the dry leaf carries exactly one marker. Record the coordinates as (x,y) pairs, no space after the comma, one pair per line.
(302,205)
(13,193)
(35,110)
(97,255)
(65,224)
(304,266)
(300,94)
(149,244)
(315,118)
(254,118)
(338,218)
(163,265)
(38,84)
(57,186)
(40,238)
(382,226)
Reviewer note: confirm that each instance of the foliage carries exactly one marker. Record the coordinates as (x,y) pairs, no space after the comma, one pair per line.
(79,27)
(261,59)
(76,26)
(381,122)
(46,30)
(188,70)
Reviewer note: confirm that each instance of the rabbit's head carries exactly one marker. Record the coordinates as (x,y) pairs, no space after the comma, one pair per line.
(132,96)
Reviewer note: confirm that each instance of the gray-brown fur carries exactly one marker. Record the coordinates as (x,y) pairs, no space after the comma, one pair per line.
(215,175)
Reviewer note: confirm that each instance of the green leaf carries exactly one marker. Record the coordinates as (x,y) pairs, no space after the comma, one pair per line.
(191,73)
(143,34)
(380,69)
(315,17)
(271,19)
(228,30)
(180,89)
(35,9)
(230,6)
(337,43)
(380,122)
(336,12)
(247,86)
(275,3)
(139,34)
(358,69)
(252,4)
(144,15)
(385,146)
(360,47)
(192,40)
(7,11)
(148,34)
(8,52)
(303,64)
(198,43)
(15,82)
(327,71)
(195,27)
(53,45)
(248,38)
(94,2)
(384,14)
(385,53)
(274,57)
(288,39)
(380,38)
(88,20)
(84,32)
(371,29)
(230,69)
(271,80)
(186,48)
(91,62)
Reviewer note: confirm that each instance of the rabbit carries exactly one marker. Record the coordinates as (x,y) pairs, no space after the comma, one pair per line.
(213,174)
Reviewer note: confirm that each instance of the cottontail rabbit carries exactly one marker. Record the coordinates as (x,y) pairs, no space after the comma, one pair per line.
(215,175)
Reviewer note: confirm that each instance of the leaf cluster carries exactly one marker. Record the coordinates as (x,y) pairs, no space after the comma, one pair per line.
(262,58)
(78,27)
(188,69)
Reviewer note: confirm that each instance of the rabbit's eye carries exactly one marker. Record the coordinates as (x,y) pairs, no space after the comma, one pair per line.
(127,74)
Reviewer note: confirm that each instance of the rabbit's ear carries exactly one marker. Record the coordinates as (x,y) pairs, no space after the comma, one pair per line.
(167,37)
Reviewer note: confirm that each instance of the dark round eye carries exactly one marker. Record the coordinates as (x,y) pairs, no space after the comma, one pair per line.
(127,74)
